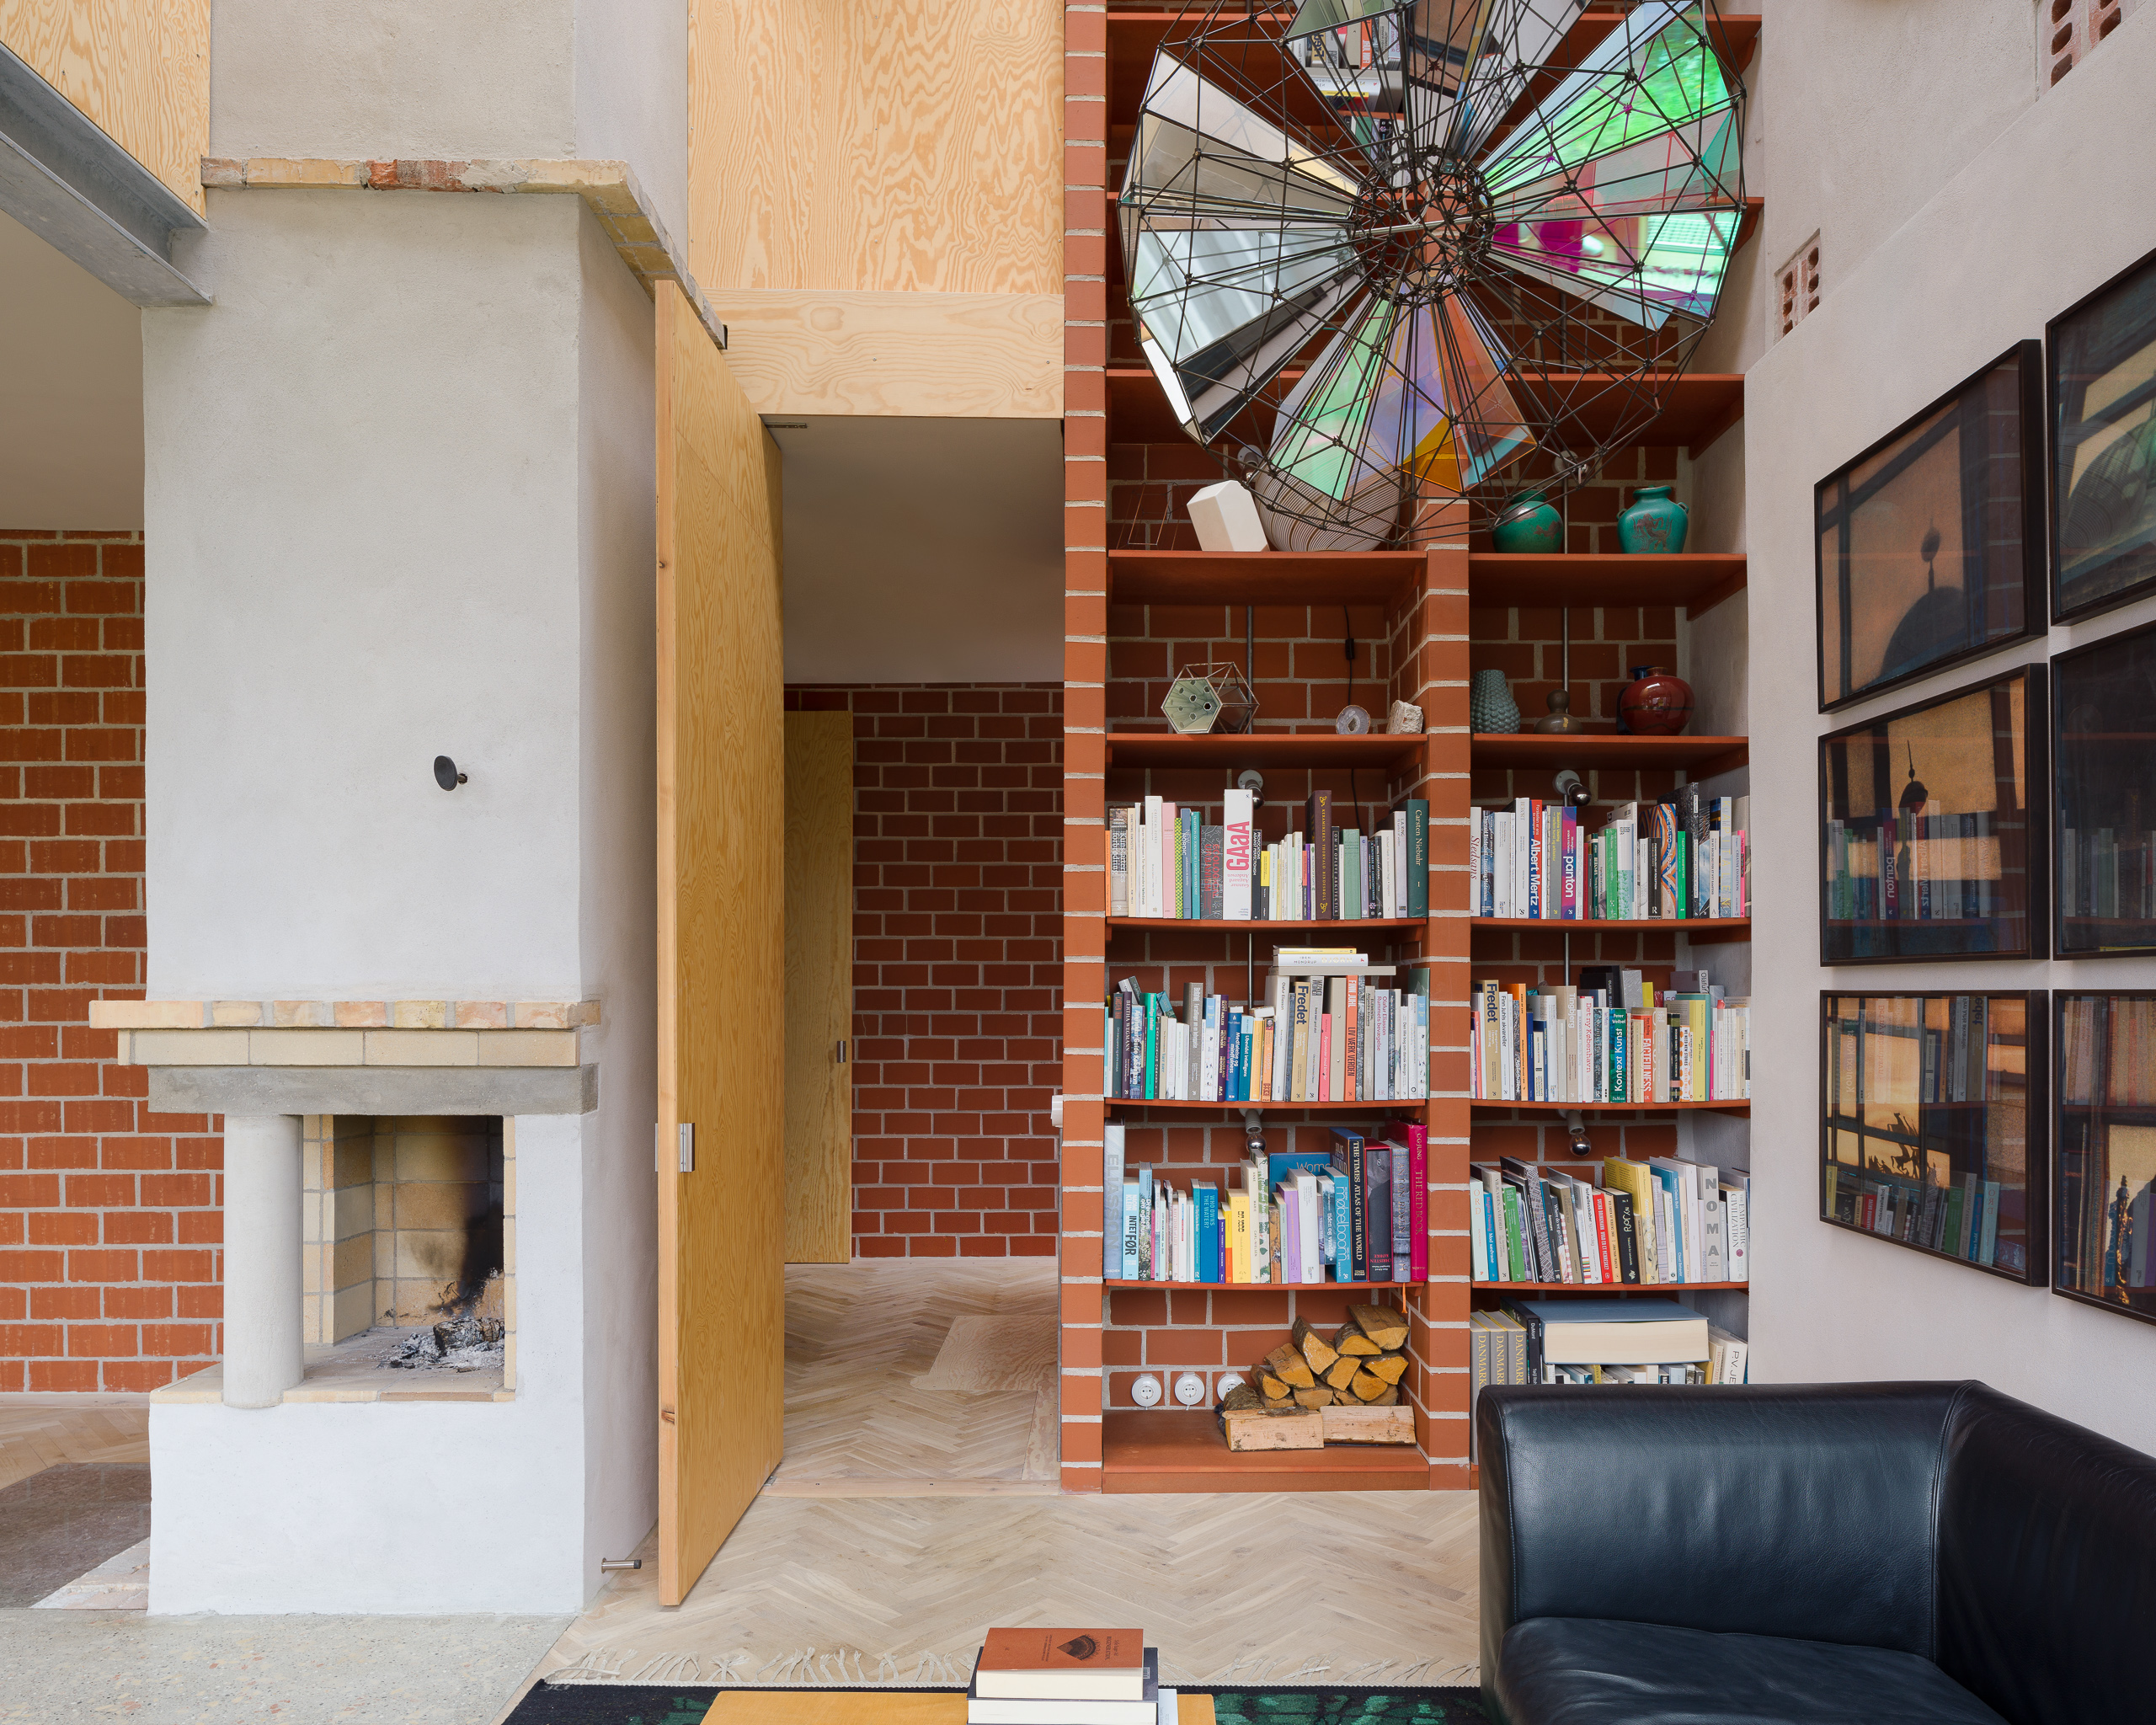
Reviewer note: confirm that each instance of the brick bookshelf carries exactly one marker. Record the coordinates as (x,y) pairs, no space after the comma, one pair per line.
(1141,601)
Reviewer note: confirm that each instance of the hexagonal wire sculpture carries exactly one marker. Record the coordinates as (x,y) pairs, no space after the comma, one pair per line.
(1204,697)
(1387,258)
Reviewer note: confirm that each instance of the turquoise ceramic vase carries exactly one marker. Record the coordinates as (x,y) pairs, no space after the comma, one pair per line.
(1489,703)
(1529,522)
(1656,523)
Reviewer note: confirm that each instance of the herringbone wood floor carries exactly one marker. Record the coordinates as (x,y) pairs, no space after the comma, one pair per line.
(34,1438)
(896,1531)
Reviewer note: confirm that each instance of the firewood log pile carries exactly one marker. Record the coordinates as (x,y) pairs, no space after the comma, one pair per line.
(1314,1389)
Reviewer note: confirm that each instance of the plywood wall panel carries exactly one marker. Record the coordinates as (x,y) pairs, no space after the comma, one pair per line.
(139,68)
(891,146)
(722,976)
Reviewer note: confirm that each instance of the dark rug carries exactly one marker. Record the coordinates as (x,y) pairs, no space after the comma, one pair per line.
(58,1524)
(639,1703)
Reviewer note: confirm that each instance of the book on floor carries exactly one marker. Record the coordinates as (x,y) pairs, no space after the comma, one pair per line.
(1039,1710)
(1062,1664)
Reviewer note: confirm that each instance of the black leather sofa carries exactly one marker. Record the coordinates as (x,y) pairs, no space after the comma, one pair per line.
(1893,1554)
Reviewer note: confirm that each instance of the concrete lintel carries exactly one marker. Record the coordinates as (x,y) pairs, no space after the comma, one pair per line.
(77,189)
(374,1090)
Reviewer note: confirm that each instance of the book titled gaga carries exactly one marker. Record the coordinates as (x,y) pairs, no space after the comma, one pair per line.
(1068,1677)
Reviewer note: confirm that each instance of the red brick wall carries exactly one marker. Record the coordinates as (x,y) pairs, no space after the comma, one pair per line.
(109,1222)
(957,954)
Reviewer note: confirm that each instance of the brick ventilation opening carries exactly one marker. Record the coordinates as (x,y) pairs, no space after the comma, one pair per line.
(957,954)
(110,1218)
(2067,30)
(1799,285)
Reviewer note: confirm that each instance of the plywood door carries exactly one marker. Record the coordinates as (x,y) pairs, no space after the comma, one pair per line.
(722,977)
(818,987)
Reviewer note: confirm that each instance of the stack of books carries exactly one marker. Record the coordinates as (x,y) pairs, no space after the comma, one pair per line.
(1068,1677)
(1687,859)
(1668,1218)
(1172,862)
(1358,1212)
(1597,1042)
(1600,1341)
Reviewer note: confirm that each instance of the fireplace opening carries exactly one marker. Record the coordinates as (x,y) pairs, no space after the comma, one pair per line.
(409,1232)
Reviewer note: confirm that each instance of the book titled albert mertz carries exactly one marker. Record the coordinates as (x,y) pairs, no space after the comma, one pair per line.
(1073,1664)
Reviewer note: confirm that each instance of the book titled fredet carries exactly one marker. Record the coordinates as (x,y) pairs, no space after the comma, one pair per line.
(1072,1665)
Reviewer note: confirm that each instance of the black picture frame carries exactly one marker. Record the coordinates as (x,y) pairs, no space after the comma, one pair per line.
(2103,895)
(2102,543)
(2086,1241)
(1991,479)
(1952,1134)
(1993,856)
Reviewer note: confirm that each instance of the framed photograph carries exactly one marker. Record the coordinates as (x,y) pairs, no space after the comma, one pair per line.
(1926,842)
(2104,842)
(2106,1138)
(1930,543)
(1932,1124)
(2103,418)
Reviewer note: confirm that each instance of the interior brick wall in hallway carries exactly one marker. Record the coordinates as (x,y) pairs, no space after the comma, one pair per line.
(109,1219)
(957,955)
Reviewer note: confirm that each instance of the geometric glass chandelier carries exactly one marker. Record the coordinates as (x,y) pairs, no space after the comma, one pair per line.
(1392,262)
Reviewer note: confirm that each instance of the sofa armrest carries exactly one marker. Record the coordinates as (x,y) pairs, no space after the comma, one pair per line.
(1804,1510)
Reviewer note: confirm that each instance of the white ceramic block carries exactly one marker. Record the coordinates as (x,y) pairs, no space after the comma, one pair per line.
(1226,516)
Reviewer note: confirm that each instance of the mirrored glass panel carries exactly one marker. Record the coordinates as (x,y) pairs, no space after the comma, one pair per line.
(2107,1150)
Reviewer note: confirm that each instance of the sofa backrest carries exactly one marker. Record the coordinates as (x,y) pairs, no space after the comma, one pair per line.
(2048,1565)
(1800,1510)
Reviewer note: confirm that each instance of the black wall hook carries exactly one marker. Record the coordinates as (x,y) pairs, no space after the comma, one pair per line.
(445,773)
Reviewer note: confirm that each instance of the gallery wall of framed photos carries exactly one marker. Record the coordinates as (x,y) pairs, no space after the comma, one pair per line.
(2001,813)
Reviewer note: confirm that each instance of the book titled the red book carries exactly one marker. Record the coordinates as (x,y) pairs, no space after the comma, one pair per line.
(1062,1664)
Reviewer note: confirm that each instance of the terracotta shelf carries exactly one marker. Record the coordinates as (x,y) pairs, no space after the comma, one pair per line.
(1257,1287)
(1138,1102)
(1606,1288)
(1305,749)
(1262,577)
(1260,925)
(1702,756)
(1605,1108)
(1697,580)
(1146,1451)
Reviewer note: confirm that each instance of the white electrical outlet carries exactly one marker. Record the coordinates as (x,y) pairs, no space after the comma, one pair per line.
(1225,1381)
(1145,1390)
(1190,1389)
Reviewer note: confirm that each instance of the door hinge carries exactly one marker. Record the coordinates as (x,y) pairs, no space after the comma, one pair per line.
(841,1050)
(688,1147)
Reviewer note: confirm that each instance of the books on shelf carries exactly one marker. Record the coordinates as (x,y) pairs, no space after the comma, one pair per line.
(1358,1213)
(1959,1216)
(1667,1219)
(1330,1031)
(1687,859)
(1499,1351)
(1897,867)
(1067,1677)
(2107,873)
(1609,1044)
(1170,861)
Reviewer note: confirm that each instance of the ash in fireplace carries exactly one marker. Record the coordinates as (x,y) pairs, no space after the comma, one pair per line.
(465,1343)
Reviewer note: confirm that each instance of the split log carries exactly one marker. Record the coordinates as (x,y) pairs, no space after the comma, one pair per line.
(1313,1348)
(1368,1386)
(1369,1425)
(1391,1367)
(1384,1324)
(1273,1389)
(1347,1340)
(1389,1399)
(1319,1397)
(1256,1429)
(1343,1371)
(1285,1363)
